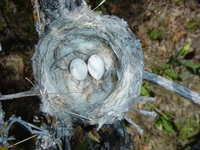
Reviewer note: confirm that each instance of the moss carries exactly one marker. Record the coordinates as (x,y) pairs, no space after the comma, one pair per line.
(154,35)
(192,24)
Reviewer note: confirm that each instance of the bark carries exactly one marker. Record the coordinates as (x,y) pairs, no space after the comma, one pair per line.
(172,86)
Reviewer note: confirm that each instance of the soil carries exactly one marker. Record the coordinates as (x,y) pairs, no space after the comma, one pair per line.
(173,24)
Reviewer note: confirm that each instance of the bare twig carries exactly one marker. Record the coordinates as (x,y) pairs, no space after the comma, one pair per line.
(172,86)
(22,141)
(99,5)
(32,92)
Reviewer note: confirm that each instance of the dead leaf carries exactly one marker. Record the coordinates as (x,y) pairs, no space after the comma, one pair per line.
(175,98)
(146,147)
(177,36)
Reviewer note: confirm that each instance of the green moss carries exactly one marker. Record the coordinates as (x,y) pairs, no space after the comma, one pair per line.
(192,23)
(154,35)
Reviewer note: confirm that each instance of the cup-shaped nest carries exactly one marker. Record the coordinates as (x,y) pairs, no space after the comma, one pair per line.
(81,34)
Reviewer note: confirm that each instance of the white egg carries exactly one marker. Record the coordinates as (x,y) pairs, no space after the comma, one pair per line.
(78,69)
(96,67)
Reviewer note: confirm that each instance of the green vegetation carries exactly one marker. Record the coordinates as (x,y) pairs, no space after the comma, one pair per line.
(183,130)
(2,25)
(174,68)
(169,70)
(154,35)
(144,89)
(165,122)
(193,23)
(180,59)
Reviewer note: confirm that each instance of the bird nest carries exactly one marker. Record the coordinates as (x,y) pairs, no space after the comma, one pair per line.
(81,34)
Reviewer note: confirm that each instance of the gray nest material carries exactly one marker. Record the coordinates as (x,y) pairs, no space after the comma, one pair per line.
(81,34)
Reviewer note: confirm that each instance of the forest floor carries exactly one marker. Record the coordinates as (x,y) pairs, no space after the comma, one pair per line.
(169,31)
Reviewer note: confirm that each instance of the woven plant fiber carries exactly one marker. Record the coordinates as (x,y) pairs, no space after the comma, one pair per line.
(81,34)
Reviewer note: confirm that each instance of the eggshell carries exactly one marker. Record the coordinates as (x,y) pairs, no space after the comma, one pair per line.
(96,67)
(78,69)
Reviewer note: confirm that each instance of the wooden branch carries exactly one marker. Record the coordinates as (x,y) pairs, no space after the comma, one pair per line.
(172,86)
(32,92)
(115,137)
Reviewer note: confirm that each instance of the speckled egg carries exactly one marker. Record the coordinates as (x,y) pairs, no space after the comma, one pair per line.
(78,69)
